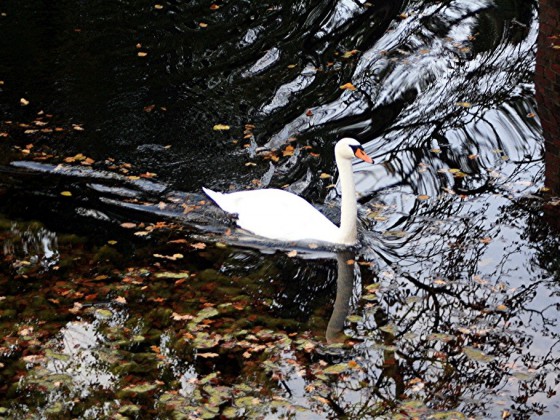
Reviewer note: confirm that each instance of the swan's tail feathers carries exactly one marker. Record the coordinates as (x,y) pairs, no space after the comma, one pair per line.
(215,196)
(218,198)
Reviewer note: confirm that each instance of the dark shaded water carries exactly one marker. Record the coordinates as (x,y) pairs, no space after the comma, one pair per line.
(115,113)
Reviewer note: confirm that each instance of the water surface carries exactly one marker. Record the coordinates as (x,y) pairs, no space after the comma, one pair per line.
(124,293)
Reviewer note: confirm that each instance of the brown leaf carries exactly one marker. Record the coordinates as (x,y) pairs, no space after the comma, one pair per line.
(178,241)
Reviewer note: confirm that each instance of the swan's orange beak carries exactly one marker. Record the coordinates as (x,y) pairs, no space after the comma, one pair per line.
(361,154)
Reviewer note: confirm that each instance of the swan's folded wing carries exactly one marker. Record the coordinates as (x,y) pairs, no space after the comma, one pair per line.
(276,214)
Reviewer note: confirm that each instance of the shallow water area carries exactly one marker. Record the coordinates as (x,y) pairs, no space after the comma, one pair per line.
(124,293)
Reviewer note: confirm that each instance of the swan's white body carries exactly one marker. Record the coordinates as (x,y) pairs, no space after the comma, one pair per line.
(283,216)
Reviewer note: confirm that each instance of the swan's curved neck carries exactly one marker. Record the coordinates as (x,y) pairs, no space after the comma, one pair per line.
(348,207)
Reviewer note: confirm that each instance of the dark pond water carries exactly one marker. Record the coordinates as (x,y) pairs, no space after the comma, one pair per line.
(125,294)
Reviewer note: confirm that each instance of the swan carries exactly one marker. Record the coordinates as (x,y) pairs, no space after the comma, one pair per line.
(284,216)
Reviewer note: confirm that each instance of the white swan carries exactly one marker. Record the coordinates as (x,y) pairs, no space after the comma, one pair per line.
(283,216)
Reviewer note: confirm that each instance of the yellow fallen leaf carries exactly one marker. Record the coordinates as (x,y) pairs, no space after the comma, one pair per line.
(112,242)
(325,176)
(464,104)
(221,127)
(24,102)
(142,54)
(292,254)
(423,197)
(158,6)
(348,86)
(350,53)
(66,193)
(203,25)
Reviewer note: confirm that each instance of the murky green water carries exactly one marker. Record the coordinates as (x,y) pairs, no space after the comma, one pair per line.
(124,293)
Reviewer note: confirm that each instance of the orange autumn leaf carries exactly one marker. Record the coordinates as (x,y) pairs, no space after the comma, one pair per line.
(348,86)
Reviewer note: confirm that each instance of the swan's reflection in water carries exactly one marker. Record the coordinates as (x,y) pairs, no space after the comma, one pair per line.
(348,291)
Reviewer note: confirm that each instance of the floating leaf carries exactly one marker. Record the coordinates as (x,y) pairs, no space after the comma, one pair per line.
(169,257)
(140,389)
(464,104)
(207,355)
(142,54)
(221,127)
(206,313)
(348,86)
(104,313)
(336,369)
(525,376)
(170,275)
(423,197)
(389,328)
(24,102)
(178,317)
(349,54)
(66,193)
(441,337)
(477,355)
(288,151)
(448,415)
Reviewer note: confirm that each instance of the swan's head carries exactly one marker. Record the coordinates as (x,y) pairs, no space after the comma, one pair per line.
(348,148)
